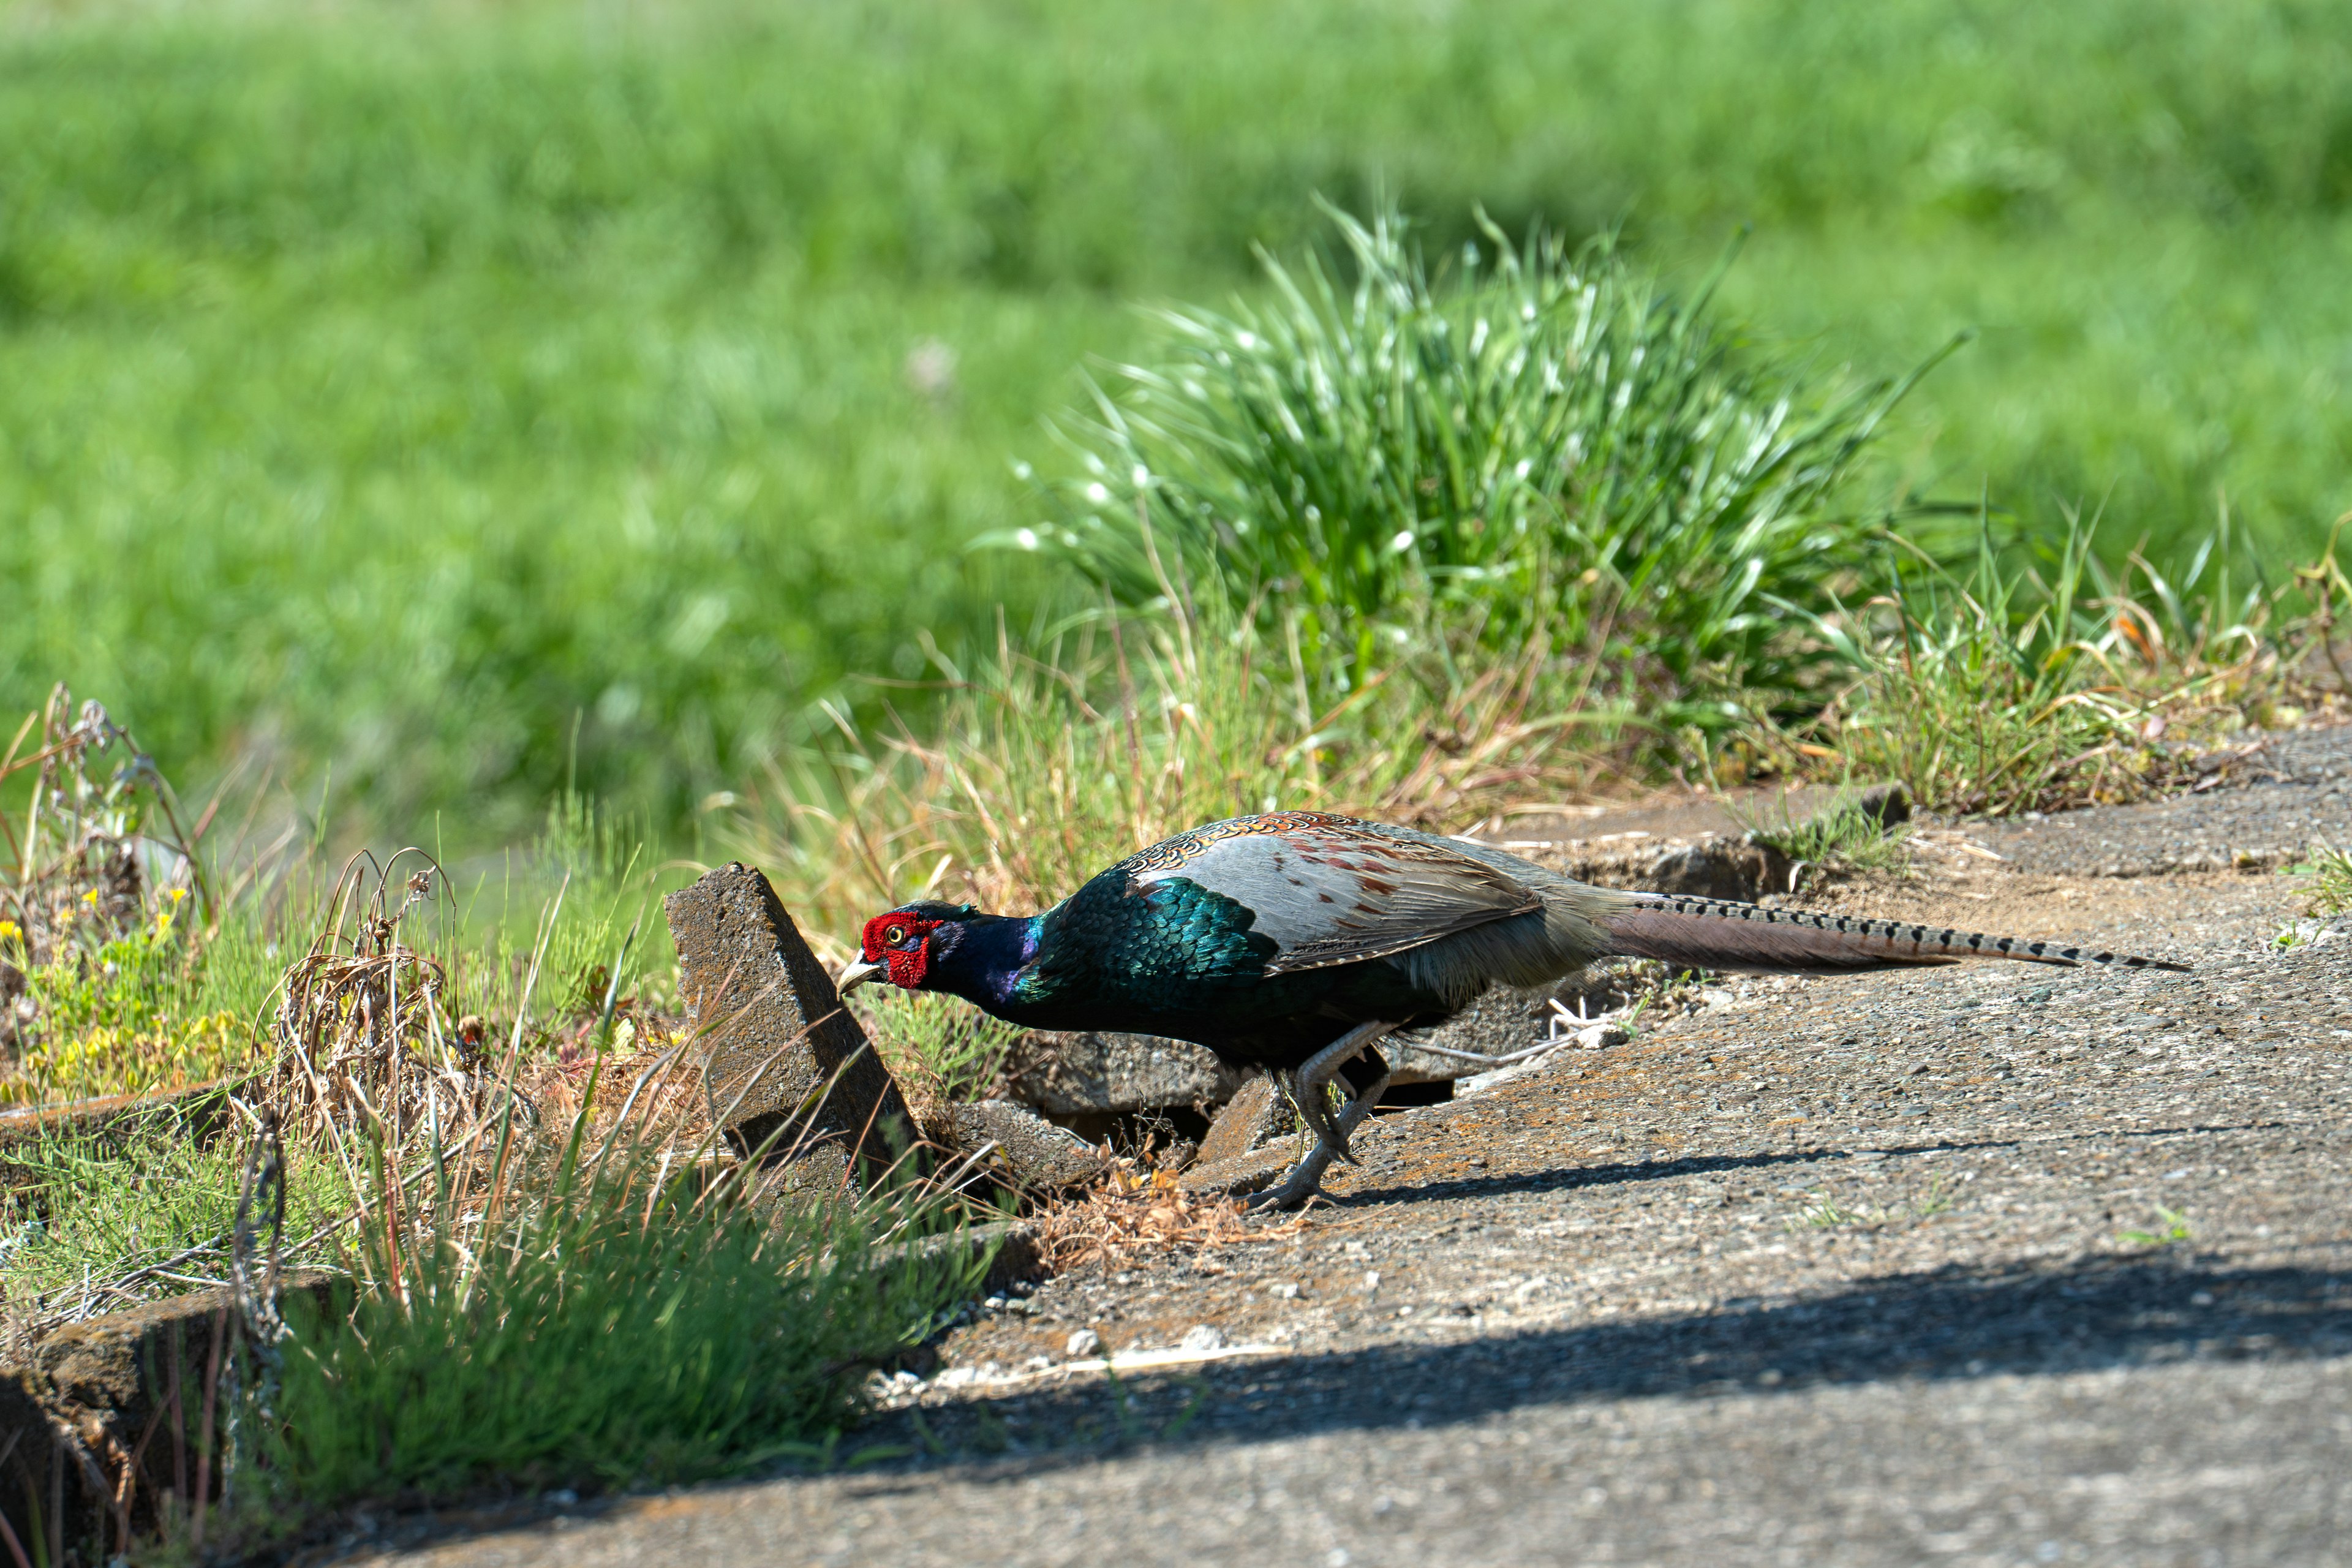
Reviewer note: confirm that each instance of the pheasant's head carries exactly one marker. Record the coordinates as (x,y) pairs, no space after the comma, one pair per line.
(905,945)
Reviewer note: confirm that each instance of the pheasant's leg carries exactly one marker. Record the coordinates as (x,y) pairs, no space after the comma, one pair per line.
(1314,1110)
(1357,1110)
(1323,1066)
(1307,1087)
(1305,1179)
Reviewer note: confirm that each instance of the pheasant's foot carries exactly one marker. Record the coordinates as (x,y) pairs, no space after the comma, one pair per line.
(1304,1182)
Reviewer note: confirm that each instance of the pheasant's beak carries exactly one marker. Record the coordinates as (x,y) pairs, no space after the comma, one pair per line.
(857,975)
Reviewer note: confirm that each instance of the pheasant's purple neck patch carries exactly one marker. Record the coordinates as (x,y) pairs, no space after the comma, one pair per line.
(985,961)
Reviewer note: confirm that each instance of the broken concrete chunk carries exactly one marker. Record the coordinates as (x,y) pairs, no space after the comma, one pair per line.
(1075,1074)
(1244,1174)
(788,1065)
(91,1389)
(1031,1152)
(1719,869)
(1254,1118)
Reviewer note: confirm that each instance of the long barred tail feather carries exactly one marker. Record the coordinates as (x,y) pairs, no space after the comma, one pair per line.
(1714,933)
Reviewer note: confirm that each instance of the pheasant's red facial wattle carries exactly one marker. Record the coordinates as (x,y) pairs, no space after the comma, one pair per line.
(901,944)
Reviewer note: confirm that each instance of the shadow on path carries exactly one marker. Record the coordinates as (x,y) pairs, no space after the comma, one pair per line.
(1950,1323)
(1566,1178)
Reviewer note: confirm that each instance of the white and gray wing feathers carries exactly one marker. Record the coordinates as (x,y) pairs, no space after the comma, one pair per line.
(1333,898)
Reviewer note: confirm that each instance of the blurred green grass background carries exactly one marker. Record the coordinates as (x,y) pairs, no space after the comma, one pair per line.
(461,397)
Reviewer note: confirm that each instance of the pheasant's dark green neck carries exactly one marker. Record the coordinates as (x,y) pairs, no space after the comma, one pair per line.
(979,958)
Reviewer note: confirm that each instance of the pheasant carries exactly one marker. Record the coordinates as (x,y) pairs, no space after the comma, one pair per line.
(1294,941)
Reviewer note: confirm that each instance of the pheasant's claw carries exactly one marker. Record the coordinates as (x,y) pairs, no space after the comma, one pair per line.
(1305,1180)
(1291,1195)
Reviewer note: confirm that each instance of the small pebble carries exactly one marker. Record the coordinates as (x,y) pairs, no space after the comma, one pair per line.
(1203,1337)
(1084,1344)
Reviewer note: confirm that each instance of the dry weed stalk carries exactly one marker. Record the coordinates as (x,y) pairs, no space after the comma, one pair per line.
(84,834)
(361,1031)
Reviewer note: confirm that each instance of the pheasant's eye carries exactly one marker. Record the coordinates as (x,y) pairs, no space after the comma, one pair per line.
(894,935)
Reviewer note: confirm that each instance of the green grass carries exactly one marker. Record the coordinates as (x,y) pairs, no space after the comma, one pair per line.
(2170,1228)
(1837,832)
(613,1327)
(79,1207)
(939,1050)
(409,393)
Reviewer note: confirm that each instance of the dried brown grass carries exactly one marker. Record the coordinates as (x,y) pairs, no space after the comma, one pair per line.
(1134,1210)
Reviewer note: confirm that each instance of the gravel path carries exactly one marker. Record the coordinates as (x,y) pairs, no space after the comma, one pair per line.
(1999,1264)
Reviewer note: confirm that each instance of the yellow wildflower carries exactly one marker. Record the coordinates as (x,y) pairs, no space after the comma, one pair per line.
(90,898)
(7,930)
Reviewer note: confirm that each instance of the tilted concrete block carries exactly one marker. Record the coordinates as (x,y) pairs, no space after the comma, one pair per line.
(785,1058)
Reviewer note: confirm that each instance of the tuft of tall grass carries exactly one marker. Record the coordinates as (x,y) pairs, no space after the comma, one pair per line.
(596,1315)
(2329,891)
(1535,436)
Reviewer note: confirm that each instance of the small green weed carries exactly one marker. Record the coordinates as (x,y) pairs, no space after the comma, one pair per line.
(2172,1227)
(2329,892)
(1842,833)
(1937,1199)
(1826,1213)
(2292,934)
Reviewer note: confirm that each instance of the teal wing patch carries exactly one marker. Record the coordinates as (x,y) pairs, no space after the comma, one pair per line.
(1165,946)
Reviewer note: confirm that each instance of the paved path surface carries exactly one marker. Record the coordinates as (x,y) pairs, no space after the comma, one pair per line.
(1990,1265)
